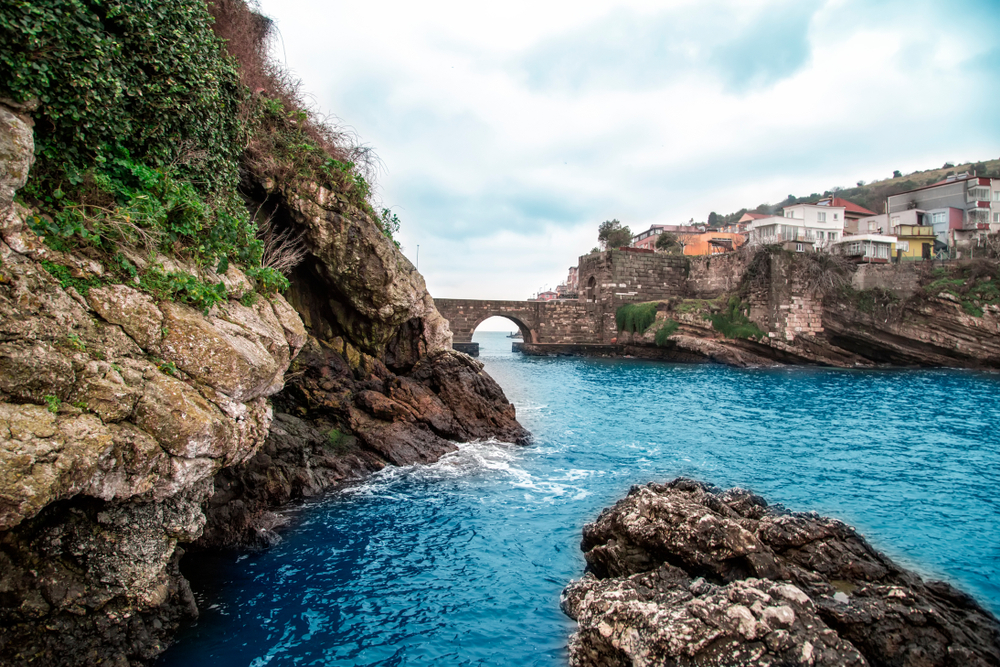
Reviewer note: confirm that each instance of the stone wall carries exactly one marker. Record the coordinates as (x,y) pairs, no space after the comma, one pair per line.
(903,278)
(711,276)
(782,302)
(624,276)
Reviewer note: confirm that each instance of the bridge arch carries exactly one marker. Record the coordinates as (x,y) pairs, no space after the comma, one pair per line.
(464,315)
(527,334)
(540,322)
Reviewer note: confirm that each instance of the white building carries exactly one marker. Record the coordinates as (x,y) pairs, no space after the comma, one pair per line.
(868,248)
(813,223)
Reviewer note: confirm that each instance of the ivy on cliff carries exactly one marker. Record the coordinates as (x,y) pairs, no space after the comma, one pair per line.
(146,78)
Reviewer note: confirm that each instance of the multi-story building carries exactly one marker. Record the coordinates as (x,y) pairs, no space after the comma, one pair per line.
(813,224)
(647,239)
(868,248)
(959,208)
(852,211)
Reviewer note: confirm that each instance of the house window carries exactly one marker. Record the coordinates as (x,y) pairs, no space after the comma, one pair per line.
(799,247)
(895,221)
(833,236)
(819,235)
(996,195)
(979,194)
(821,216)
(836,217)
(939,218)
(996,217)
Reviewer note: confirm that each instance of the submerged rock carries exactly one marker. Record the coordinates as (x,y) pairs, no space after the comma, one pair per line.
(681,574)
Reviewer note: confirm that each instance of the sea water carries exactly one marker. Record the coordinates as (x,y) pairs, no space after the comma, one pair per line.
(462,562)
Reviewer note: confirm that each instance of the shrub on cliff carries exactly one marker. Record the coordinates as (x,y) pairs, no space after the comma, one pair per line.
(635,317)
(145,79)
(143,119)
(733,321)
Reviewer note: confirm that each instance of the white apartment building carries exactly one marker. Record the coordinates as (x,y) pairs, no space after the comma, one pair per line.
(817,224)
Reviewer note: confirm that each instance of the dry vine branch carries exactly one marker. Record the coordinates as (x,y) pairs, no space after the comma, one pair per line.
(283,251)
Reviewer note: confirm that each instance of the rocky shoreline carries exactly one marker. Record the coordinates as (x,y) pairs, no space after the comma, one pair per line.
(133,428)
(685,574)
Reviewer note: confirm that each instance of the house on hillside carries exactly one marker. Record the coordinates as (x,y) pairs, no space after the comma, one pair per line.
(915,236)
(852,212)
(961,208)
(800,224)
(647,239)
(743,224)
(712,243)
(866,248)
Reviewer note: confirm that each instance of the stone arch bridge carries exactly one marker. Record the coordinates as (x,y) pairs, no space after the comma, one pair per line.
(540,322)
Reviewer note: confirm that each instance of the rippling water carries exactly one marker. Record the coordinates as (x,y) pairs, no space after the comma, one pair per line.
(462,562)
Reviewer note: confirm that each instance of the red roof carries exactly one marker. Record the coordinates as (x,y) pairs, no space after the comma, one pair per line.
(849,206)
(757,216)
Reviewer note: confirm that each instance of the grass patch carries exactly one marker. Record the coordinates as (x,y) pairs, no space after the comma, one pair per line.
(668,329)
(635,317)
(974,285)
(688,306)
(869,300)
(734,323)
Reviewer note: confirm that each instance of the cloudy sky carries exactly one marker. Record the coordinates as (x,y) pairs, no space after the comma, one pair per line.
(509,130)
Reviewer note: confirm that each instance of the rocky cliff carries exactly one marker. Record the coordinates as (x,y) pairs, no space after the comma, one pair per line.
(775,307)
(681,574)
(133,424)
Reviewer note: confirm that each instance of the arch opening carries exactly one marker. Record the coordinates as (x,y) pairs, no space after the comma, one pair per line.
(592,289)
(503,323)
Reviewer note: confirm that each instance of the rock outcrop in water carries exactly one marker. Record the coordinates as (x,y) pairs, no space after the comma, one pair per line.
(681,574)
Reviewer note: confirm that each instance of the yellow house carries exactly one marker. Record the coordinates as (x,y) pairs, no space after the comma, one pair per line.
(914,242)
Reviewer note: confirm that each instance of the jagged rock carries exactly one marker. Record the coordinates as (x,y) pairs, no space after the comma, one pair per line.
(17,154)
(105,457)
(680,574)
(377,289)
(398,420)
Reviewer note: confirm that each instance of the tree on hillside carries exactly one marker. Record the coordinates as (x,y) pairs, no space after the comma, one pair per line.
(897,174)
(670,244)
(612,234)
(713,219)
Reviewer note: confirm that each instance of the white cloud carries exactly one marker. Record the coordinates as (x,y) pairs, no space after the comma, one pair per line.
(510,131)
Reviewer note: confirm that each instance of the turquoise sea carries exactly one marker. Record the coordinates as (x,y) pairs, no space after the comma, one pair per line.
(462,562)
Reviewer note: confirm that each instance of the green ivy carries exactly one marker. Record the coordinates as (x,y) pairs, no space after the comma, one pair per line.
(734,323)
(664,333)
(635,317)
(183,288)
(145,77)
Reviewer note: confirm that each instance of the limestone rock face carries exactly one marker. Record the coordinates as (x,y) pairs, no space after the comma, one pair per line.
(116,412)
(679,574)
(373,290)
(17,154)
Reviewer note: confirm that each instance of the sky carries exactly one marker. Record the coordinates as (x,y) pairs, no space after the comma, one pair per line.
(507,132)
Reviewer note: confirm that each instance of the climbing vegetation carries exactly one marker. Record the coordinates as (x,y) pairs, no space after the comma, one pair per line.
(145,113)
(635,317)
(733,322)
(664,333)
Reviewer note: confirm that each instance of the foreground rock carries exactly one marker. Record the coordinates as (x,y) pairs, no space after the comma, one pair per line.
(346,415)
(680,574)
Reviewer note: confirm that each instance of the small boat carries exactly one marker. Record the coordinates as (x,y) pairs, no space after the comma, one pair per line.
(514,334)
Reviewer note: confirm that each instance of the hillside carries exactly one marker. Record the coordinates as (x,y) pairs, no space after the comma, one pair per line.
(872,195)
